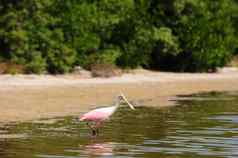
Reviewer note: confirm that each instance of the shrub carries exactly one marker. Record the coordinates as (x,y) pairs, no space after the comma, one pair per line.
(11,68)
(105,70)
(105,56)
(60,59)
(178,35)
(37,64)
(204,34)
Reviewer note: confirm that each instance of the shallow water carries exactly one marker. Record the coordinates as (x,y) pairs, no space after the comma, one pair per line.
(202,125)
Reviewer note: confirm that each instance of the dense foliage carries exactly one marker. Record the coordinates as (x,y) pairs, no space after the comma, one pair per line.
(56,35)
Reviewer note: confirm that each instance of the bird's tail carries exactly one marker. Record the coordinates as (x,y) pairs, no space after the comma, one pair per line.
(82,118)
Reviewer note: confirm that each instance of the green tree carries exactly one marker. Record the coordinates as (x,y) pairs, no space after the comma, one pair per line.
(179,35)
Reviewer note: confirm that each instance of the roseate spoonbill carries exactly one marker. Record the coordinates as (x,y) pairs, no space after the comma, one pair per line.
(98,116)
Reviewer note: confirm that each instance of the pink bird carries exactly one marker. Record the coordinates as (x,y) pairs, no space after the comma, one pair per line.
(98,116)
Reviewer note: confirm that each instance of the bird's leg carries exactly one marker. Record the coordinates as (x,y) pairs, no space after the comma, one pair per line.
(92,129)
(94,132)
(89,125)
(97,126)
(97,131)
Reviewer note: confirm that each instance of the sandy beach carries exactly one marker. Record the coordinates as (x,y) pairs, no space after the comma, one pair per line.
(31,97)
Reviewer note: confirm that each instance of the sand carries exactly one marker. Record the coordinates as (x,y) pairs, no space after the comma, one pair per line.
(32,97)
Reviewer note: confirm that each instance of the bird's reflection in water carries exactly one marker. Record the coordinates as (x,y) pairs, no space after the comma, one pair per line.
(98,149)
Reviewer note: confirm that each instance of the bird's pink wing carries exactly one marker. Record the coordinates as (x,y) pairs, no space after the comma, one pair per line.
(94,116)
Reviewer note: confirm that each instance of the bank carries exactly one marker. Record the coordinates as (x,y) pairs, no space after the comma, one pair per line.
(31,97)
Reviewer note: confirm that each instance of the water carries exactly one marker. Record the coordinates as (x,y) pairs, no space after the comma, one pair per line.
(201,126)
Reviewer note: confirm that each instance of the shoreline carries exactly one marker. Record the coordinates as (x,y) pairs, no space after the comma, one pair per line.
(136,77)
(31,97)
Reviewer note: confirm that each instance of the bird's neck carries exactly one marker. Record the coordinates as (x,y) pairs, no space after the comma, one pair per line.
(116,105)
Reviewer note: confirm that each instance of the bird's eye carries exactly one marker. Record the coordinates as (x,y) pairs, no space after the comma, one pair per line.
(120,97)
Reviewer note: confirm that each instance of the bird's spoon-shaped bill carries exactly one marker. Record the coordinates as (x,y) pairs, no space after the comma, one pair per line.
(130,105)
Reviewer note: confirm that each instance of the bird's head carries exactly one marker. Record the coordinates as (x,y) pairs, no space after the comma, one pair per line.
(122,97)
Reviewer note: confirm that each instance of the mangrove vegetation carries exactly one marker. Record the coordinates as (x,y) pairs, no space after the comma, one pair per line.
(54,36)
